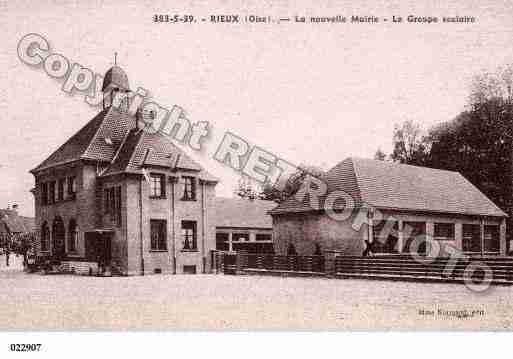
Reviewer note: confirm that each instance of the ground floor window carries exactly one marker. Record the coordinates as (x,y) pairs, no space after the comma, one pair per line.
(471,238)
(222,242)
(491,238)
(414,237)
(240,237)
(189,269)
(263,237)
(72,236)
(189,229)
(45,237)
(444,231)
(158,229)
(385,236)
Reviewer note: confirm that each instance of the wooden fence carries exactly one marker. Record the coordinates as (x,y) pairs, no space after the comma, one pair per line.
(272,262)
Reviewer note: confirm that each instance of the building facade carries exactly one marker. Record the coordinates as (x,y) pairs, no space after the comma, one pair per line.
(393,208)
(244,225)
(124,198)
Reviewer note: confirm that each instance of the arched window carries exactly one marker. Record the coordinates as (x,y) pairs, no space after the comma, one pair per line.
(72,236)
(45,237)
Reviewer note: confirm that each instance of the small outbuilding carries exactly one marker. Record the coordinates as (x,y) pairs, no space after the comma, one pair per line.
(243,225)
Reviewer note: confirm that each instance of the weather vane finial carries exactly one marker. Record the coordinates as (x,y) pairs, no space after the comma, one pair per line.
(115,58)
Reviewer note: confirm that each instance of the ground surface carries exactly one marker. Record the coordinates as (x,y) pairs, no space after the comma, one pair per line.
(59,302)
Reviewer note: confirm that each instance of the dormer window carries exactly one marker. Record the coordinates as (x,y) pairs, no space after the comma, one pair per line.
(189,188)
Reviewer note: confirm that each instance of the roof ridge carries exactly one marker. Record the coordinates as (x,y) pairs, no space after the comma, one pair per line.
(108,112)
(358,185)
(136,147)
(121,145)
(398,164)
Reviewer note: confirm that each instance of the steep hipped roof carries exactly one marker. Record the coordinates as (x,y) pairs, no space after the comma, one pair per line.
(387,185)
(97,140)
(242,213)
(142,149)
(111,137)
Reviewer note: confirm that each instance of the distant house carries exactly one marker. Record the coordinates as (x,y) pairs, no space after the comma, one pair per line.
(243,225)
(12,223)
(393,205)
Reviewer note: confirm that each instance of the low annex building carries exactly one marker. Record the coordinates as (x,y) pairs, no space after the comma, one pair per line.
(393,205)
(118,195)
(243,225)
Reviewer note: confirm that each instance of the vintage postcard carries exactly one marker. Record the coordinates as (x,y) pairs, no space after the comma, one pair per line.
(256,165)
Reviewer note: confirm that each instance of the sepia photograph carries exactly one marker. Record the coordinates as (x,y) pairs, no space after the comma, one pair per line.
(245,167)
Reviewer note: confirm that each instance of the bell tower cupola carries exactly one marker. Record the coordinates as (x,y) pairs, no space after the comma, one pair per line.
(115,87)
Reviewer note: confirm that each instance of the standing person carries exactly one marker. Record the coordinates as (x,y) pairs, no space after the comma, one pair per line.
(7,253)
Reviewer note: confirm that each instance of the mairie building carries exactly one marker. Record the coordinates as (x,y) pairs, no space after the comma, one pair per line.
(121,198)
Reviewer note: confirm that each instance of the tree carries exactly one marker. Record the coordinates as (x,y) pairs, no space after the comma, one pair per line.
(478,143)
(380,155)
(289,186)
(246,189)
(410,145)
(278,192)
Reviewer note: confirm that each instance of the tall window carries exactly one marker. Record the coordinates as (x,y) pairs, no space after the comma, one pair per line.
(189,235)
(189,189)
(491,238)
(52,194)
(45,237)
(222,241)
(106,201)
(72,187)
(118,205)
(471,241)
(44,194)
(112,203)
(72,236)
(158,235)
(157,188)
(414,237)
(444,231)
(60,190)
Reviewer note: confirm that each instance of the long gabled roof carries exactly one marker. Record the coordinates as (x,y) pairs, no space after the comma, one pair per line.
(386,185)
(112,138)
(242,213)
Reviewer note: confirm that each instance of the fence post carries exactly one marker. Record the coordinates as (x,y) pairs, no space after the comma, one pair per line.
(330,263)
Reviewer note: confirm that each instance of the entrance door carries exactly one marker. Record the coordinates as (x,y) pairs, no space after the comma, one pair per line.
(98,247)
(58,238)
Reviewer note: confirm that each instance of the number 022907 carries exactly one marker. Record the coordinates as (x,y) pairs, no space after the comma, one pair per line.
(25,347)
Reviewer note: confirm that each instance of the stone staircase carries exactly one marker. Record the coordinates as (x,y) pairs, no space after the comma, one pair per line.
(499,270)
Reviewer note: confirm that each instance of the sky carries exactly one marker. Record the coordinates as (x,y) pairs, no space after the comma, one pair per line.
(308,93)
